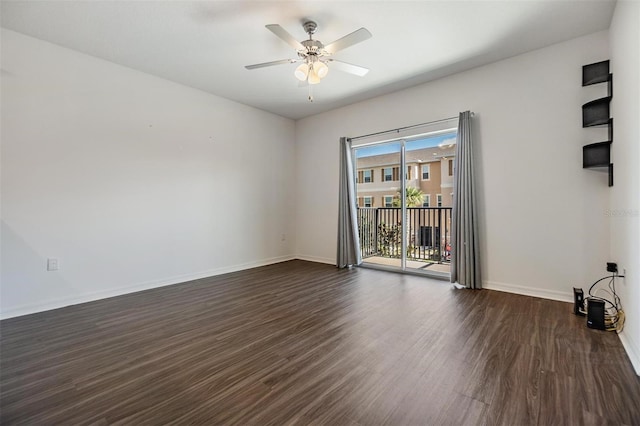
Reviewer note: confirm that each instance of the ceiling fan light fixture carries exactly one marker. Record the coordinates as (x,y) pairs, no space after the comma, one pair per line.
(321,69)
(313,76)
(302,71)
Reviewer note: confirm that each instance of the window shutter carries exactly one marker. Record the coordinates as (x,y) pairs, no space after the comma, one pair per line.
(360,176)
(371,177)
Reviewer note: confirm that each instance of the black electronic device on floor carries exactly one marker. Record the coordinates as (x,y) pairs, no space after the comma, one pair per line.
(601,305)
(595,314)
(578,301)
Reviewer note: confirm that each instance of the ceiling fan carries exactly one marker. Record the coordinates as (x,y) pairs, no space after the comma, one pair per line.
(314,55)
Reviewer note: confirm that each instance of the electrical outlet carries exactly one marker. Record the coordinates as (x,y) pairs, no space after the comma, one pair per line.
(52,264)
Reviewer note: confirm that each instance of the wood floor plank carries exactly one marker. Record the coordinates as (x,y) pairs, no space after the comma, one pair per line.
(306,343)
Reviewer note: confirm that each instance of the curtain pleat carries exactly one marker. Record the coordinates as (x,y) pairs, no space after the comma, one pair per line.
(465,254)
(348,242)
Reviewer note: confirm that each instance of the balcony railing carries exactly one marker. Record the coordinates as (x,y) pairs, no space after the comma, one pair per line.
(428,233)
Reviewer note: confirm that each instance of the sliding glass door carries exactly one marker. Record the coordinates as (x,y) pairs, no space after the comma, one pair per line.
(404,196)
(380,220)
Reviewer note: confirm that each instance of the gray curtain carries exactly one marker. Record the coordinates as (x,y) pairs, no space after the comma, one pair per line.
(465,254)
(348,243)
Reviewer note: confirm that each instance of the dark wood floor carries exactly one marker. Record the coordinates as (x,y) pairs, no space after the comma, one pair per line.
(299,342)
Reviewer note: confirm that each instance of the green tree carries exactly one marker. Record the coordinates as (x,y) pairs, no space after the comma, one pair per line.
(414,197)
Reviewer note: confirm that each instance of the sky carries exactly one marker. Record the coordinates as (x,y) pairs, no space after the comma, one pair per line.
(387,148)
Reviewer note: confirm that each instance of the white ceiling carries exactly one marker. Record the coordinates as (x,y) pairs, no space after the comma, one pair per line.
(205,44)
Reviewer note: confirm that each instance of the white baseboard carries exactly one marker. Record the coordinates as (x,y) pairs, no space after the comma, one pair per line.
(316,259)
(632,351)
(529,291)
(147,285)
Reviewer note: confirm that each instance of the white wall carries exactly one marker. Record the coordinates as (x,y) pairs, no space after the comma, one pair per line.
(129,180)
(624,212)
(542,223)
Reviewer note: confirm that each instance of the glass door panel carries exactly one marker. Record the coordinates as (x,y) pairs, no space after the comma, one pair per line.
(429,198)
(378,190)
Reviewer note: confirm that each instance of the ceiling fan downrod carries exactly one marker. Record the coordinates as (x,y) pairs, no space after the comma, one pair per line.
(310,28)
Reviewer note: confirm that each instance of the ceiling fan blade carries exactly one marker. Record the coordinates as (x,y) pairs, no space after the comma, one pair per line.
(284,35)
(349,40)
(347,67)
(272,63)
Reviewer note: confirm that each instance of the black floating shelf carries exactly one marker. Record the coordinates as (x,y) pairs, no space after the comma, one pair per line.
(595,73)
(596,155)
(596,113)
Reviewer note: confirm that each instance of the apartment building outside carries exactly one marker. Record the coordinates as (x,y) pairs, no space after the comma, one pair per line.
(428,169)
(428,226)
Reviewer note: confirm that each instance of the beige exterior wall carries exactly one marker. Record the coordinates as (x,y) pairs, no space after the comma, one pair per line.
(447,165)
(439,181)
(431,186)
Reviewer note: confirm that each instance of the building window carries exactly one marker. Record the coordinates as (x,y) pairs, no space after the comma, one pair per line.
(365,201)
(426,201)
(390,174)
(426,169)
(387,174)
(450,167)
(439,200)
(364,176)
(388,200)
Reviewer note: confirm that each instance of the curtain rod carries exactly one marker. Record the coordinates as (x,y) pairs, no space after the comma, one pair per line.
(403,128)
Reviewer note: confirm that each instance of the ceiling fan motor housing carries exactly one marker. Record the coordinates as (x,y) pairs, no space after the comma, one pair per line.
(310,27)
(313,47)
